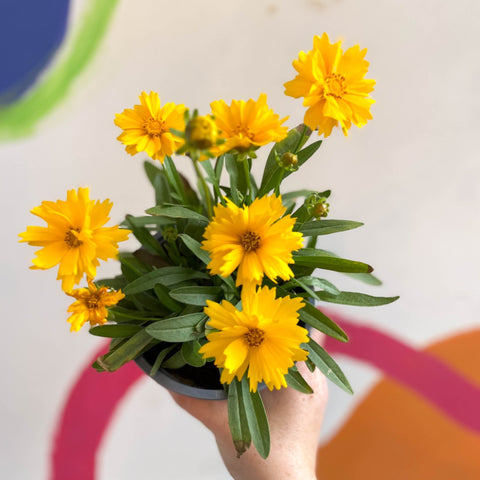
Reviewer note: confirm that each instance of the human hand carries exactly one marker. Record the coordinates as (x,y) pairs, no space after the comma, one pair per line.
(295,420)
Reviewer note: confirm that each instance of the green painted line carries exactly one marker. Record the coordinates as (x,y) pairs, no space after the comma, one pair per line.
(19,119)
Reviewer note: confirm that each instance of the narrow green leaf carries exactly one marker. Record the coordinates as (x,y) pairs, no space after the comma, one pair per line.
(232,167)
(175,361)
(142,234)
(326,227)
(145,221)
(306,153)
(358,299)
(295,380)
(367,278)
(195,247)
(256,418)
(327,365)
(237,418)
(196,295)
(125,314)
(125,352)
(177,329)
(331,263)
(293,141)
(115,331)
(174,179)
(288,196)
(160,358)
(176,212)
(167,276)
(163,294)
(191,355)
(315,318)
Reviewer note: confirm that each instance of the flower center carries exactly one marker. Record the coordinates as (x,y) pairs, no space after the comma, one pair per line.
(154,127)
(254,337)
(242,131)
(92,303)
(71,238)
(250,241)
(335,85)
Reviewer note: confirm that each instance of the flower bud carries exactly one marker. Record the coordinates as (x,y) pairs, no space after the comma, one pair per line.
(170,234)
(288,161)
(317,205)
(201,133)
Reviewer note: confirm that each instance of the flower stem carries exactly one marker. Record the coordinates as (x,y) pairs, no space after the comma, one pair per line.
(248,180)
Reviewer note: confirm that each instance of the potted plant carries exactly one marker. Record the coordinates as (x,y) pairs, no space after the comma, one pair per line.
(219,299)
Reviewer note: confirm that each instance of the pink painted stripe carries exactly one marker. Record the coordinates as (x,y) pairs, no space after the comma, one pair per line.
(424,374)
(87,412)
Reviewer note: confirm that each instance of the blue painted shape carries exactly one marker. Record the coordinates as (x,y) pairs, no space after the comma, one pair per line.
(30,33)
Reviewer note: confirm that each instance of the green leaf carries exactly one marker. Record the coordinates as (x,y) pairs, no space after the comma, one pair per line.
(315,282)
(295,380)
(167,276)
(288,196)
(367,278)
(176,212)
(125,315)
(195,247)
(233,168)
(124,352)
(145,221)
(159,182)
(326,227)
(292,143)
(175,361)
(115,331)
(327,262)
(237,418)
(308,152)
(358,299)
(149,243)
(315,318)
(256,419)
(190,353)
(196,295)
(160,358)
(175,180)
(327,365)
(178,329)
(163,294)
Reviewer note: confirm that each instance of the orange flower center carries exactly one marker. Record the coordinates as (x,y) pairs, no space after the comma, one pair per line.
(254,337)
(242,131)
(335,85)
(71,238)
(154,127)
(92,303)
(250,241)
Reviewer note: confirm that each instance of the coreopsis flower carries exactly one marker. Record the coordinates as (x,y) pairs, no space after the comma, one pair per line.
(75,236)
(146,127)
(263,338)
(247,125)
(91,305)
(333,86)
(257,239)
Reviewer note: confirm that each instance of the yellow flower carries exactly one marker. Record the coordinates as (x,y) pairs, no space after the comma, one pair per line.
(247,125)
(75,237)
(255,238)
(333,86)
(264,337)
(90,305)
(147,127)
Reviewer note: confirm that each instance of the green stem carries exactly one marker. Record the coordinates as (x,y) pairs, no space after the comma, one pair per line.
(248,180)
(204,188)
